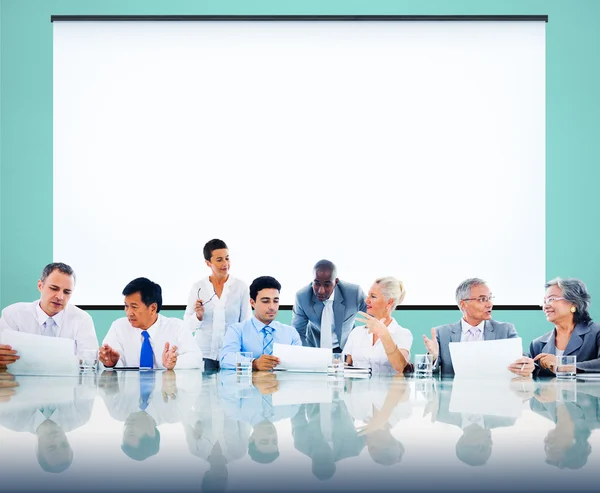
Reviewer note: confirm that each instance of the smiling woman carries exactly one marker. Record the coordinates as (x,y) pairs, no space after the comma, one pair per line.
(566,304)
(381,344)
(215,302)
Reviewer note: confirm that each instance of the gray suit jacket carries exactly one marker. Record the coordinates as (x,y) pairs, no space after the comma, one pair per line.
(348,300)
(584,343)
(446,334)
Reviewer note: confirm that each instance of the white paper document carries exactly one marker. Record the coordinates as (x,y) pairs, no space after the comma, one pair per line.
(483,359)
(41,355)
(301,358)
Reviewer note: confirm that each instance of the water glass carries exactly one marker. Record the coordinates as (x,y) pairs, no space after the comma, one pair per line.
(243,363)
(88,359)
(566,366)
(423,365)
(337,364)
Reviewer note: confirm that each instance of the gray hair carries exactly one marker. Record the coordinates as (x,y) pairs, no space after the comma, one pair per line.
(391,288)
(59,266)
(463,291)
(326,265)
(574,291)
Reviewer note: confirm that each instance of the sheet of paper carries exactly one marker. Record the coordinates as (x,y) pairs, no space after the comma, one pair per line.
(495,397)
(301,358)
(303,388)
(484,359)
(41,355)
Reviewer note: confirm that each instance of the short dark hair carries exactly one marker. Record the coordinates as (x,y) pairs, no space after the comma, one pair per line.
(261,457)
(326,265)
(212,245)
(149,291)
(263,282)
(147,447)
(59,266)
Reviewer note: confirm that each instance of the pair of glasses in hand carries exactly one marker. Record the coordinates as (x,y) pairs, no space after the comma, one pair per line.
(205,302)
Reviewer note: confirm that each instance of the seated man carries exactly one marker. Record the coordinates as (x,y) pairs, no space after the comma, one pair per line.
(51,315)
(474,299)
(257,334)
(327,302)
(145,338)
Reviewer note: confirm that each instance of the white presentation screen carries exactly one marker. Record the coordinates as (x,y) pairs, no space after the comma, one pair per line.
(412,149)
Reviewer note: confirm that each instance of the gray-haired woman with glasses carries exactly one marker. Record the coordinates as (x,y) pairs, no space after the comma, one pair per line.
(216,302)
(566,304)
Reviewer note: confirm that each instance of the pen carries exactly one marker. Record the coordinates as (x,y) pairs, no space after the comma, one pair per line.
(522,366)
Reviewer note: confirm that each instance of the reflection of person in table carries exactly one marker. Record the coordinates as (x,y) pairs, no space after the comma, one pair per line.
(567,445)
(211,434)
(474,447)
(325,433)
(381,404)
(50,420)
(256,408)
(143,401)
(7,386)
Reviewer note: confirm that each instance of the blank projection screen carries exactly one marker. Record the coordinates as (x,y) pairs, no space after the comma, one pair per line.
(412,149)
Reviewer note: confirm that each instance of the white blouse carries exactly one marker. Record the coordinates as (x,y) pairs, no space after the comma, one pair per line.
(365,354)
(232,307)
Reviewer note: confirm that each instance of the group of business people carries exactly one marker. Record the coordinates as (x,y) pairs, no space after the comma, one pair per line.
(224,317)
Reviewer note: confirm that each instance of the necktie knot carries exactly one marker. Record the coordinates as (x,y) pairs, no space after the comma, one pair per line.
(268,330)
(49,327)
(145,335)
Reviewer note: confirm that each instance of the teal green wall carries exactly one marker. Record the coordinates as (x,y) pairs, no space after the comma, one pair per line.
(572,149)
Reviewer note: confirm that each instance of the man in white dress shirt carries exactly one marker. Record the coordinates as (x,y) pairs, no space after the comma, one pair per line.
(146,339)
(51,315)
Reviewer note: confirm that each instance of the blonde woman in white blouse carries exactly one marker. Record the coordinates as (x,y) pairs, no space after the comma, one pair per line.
(381,344)
(216,302)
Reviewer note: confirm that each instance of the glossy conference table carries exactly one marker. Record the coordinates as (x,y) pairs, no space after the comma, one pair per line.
(188,431)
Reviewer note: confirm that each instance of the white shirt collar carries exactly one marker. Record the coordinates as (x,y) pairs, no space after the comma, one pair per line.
(42,316)
(153,329)
(331,298)
(466,326)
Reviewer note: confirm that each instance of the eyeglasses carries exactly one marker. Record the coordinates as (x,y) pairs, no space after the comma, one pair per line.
(205,302)
(481,299)
(552,299)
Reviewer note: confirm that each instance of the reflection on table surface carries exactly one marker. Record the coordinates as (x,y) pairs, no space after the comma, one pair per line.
(189,431)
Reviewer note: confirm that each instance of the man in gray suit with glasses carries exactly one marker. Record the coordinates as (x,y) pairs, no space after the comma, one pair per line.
(475,301)
(324,311)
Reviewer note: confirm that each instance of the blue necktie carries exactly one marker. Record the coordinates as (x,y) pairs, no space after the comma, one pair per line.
(146,354)
(146,388)
(268,340)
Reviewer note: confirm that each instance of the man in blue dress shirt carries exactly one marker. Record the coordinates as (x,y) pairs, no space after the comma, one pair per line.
(257,334)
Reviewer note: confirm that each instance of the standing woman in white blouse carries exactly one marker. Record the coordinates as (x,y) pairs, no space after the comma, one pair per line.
(381,344)
(216,302)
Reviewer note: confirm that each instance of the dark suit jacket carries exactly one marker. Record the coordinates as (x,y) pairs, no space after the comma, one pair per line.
(446,334)
(584,343)
(348,300)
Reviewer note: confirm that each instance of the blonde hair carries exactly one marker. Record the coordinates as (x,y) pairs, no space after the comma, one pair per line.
(391,288)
